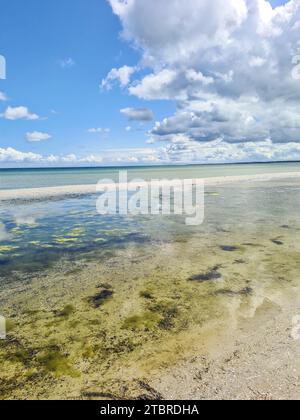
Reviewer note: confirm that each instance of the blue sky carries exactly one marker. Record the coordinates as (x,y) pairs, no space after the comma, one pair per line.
(58,52)
(35,38)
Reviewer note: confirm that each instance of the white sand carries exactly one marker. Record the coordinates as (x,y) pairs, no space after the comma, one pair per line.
(68,190)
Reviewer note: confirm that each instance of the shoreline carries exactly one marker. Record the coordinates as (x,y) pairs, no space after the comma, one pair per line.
(69,190)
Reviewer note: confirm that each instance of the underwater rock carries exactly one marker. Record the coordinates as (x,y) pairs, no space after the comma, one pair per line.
(213,274)
(97,300)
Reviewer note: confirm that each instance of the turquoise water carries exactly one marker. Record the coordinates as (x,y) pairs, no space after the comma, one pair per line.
(34,178)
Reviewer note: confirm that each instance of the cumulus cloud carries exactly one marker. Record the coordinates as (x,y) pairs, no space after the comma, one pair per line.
(228,65)
(37,136)
(19,113)
(12,155)
(138,114)
(181,150)
(121,76)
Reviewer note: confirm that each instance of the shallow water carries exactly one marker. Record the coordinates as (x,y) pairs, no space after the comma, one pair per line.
(98,302)
(35,178)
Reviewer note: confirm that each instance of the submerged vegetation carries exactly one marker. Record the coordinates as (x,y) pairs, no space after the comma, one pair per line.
(101,305)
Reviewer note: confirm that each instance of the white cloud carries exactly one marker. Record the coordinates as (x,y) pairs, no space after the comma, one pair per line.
(13,155)
(219,151)
(37,136)
(67,63)
(155,86)
(19,113)
(121,76)
(3,97)
(175,31)
(181,150)
(99,130)
(138,114)
(228,65)
(128,128)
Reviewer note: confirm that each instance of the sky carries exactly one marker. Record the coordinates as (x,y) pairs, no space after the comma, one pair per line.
(141,82)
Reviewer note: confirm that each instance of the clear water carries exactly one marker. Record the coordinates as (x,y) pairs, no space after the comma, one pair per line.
(33,235)
(56,256)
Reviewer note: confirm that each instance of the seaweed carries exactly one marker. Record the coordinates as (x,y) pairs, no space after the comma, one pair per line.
(146,321)
(152,393)
(168,311)
(277,242)
(102,395)
(213,274)
(53,361)
(66,311)
(98,300)
(146,295)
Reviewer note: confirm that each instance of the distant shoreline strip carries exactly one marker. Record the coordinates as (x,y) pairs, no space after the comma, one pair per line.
(28,194)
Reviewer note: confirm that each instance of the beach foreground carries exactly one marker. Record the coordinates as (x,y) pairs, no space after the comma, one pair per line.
(150,308)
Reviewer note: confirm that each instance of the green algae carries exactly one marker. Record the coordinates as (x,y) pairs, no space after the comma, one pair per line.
(65,240)
(7,248)
(145,321)
(146,294)
(52,360)
(66,311)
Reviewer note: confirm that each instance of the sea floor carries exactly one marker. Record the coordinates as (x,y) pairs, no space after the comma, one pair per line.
(202,313)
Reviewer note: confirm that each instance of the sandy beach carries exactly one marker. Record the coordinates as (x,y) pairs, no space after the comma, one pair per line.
(69,190)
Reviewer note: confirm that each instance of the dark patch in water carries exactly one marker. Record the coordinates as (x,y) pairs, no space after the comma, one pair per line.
(98,300)
(228,248)
(213,274)
(285,227)
(277,242)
